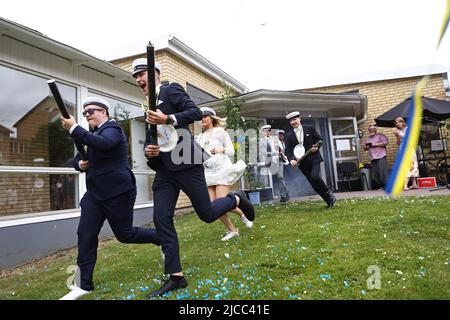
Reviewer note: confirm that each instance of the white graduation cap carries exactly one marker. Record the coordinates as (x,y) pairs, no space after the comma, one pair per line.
(293,115)
(140,64)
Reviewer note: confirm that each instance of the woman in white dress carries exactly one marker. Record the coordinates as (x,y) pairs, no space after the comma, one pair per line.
(413,172)
(220,172)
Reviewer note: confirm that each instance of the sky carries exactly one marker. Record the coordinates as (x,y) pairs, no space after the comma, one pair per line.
(280,45)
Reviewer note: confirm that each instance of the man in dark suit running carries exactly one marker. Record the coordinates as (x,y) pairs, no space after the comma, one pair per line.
(111,189)
(308,137)
(179,169)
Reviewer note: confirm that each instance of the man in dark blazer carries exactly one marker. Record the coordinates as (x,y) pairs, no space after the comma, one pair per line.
(308,137)
(111,189)
(179,169)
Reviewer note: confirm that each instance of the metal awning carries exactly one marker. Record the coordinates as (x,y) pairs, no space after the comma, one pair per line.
(274,104)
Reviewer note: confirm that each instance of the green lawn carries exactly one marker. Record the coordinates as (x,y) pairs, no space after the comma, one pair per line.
(297,250)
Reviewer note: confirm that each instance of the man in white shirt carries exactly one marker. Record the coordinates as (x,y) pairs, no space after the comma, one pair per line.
(307,137)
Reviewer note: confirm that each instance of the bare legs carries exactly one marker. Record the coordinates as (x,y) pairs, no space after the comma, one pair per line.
(413,184)
(220,191)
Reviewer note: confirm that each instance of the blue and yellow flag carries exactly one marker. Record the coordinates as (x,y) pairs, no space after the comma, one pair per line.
(444,23)
(409,143)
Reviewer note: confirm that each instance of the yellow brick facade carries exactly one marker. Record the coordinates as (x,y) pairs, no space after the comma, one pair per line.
(381,97)
(177,70)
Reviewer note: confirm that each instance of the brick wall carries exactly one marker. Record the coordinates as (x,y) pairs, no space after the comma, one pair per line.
(382,96)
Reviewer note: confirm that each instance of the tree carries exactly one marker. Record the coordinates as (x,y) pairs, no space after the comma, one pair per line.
(231,109)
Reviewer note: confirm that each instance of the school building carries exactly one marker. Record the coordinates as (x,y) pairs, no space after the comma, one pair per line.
(40,191)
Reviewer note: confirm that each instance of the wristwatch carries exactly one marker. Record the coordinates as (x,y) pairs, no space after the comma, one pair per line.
(169,120)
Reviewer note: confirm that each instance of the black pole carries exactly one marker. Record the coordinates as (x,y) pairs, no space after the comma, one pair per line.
(62,108)
(151,85)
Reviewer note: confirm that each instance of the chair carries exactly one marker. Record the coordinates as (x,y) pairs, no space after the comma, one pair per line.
(349,171)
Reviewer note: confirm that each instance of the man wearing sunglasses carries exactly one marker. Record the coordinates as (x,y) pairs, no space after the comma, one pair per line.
(111,189)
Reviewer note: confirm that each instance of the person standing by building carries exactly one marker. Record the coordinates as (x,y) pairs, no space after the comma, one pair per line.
(307,137)
(268,154)
(413,172)
(376,144)
(179,169)
(220,172)
(111,189)
(284,193)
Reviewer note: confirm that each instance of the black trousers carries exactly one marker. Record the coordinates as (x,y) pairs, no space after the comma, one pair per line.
(119,213)
(166,189)
(380,171)
(311,171)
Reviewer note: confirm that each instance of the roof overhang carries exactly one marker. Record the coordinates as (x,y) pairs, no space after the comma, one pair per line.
(36,39)
(182,51)
(275,104)
(189,55)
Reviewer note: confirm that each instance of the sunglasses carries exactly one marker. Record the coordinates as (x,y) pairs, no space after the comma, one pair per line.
(90,112)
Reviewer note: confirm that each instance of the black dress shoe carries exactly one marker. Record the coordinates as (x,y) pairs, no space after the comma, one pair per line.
(331,201)
(170,285)
(245,205)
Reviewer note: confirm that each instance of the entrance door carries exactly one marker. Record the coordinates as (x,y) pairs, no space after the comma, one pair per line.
(139,161)
(345,152)
(296,182)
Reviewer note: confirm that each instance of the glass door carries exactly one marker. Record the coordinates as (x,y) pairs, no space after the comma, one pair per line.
(345,152)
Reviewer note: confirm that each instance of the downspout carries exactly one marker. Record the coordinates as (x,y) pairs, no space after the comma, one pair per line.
(363,100)
(364,104)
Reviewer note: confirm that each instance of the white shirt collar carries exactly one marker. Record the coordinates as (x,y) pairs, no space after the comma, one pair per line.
(102,123)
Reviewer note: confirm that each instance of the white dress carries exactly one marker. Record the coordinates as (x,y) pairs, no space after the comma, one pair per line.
(414,167)
(219,170)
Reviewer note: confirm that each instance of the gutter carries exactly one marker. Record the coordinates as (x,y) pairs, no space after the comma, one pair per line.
(38,40)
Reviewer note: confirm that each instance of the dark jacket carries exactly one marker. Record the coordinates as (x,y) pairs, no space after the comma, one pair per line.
(310,137)
(109,173)
(174,100)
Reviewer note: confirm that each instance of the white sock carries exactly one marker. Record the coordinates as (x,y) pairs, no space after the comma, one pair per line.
(75,293)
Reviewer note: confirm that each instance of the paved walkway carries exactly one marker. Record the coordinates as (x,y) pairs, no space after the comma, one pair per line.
(377,193)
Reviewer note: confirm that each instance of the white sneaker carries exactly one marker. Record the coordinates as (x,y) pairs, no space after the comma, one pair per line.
(75,293)
(230,234)
(247,222)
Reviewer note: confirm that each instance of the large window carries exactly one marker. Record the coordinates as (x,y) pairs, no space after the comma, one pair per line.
(198,95)
(31,137)
(36,192)
(131,118)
